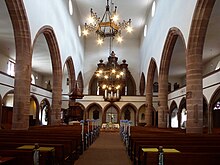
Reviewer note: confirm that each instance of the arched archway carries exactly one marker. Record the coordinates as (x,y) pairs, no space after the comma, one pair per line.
(94,111)
(34,111)
(171,40)
(111,113)
(152,70)
(128,112)
(93,86)
(141,115)
(44,112)
(173,115)
(194,62)
(69,77)
(50,37)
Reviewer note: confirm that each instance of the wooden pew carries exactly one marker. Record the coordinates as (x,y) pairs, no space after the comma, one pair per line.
(189,145)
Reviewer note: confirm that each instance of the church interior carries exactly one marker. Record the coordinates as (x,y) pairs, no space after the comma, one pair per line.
(109,82)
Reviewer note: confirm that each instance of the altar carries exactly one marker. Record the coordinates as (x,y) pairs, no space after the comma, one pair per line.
(110,125)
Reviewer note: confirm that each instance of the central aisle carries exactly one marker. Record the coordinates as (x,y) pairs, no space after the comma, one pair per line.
(108,149)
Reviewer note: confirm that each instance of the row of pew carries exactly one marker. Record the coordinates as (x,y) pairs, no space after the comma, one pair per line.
(145,145)
(56,145)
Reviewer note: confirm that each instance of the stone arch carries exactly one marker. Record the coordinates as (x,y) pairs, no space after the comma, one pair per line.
(173,113)
(42,107)
(5,96)
(37,109)
(107,107)
(71,72)
(170,42)
(80,82)
(94,105)
(214,99)
(142,84)
(134,108)
(149,91)
(141,116)
(93,86)
(53,46)
(173,105)
(22,37)
(131,85)
(195,45)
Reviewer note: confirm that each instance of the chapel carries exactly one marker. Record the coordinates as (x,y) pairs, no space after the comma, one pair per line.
(129,82)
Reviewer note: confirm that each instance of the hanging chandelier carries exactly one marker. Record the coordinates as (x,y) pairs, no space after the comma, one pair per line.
(111,77)
(108,25)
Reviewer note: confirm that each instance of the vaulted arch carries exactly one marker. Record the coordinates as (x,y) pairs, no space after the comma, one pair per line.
(142,84)
(115,110)
(128,112)
(71,73)
(195,45)
(170,42)
(149,91)
(80,82)
(50,37)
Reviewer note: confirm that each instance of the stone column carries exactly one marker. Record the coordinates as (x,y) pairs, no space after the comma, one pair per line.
(162,100)
(17,12)
(194,86)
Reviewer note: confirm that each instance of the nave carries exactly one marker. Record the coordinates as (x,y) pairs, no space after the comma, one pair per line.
(108,149)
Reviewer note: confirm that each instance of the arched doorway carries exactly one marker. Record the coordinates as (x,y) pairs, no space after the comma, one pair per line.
(111,114)
(128,112)
(94,111)
(174,115)
(182,113)
(44,113)
(34,111)
(173,52)
(141,121)
(54,70)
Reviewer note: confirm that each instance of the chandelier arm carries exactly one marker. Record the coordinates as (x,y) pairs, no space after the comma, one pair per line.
(107,26)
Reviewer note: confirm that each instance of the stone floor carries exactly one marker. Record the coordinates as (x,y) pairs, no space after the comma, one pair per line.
(108,149)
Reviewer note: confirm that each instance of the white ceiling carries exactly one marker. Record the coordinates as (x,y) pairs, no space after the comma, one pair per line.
(134,9)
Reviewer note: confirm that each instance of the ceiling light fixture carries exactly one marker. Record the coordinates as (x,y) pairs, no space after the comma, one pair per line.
(108,25)
(111,77)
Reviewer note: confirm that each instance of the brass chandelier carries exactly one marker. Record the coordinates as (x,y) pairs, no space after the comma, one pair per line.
(108,25)
(111,77)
